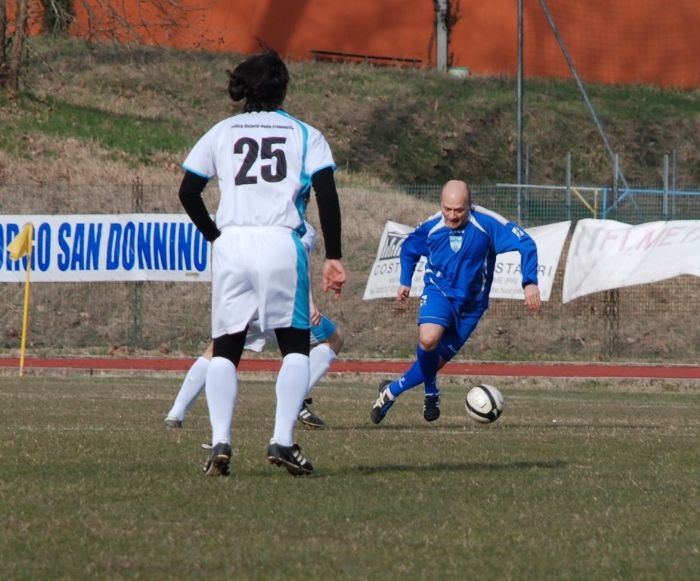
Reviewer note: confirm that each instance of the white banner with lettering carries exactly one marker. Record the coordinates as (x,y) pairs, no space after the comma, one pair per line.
(605,254)
(383,281)
(107,247)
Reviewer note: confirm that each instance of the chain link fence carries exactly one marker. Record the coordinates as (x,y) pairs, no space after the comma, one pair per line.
(644,323)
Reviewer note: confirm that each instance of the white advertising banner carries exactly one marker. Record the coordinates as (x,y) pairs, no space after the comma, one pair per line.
(107,247)
(605,254)
(507,279)
(383,281)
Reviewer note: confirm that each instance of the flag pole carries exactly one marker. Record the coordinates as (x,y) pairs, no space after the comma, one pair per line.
(25,315)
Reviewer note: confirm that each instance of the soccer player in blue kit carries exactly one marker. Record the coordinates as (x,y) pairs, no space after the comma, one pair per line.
(460,243)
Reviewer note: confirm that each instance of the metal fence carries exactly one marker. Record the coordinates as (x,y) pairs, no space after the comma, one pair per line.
(532,205)
(650,322)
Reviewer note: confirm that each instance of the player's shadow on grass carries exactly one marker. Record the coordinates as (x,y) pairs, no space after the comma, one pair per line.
(413,426)
(462,467)
(436,467)
(588,427)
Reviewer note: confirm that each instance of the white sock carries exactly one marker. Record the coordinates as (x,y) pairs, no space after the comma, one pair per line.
(292,382)
(191,387)
(221,389)
(320,360)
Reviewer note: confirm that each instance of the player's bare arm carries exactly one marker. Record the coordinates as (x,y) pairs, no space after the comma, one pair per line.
(315,314)
(403,293)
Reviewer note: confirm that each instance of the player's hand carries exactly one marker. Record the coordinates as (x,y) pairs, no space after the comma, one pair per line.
(402,294)
(334,276)
(532,297)
(315,314)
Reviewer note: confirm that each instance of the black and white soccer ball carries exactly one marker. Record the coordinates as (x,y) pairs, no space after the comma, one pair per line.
(484,403)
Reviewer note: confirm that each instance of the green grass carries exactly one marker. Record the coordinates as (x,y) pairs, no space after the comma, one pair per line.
(400,126)
(576,482)
(130,134)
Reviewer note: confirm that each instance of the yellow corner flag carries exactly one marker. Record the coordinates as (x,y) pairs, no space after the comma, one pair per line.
(21,245)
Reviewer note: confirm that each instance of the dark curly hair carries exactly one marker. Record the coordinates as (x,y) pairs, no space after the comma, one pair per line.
(261,80)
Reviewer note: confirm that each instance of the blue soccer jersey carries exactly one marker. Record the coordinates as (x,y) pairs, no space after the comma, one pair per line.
(460,262)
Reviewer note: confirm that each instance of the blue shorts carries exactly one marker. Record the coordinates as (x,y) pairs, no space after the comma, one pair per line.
(438,309)
(323,331)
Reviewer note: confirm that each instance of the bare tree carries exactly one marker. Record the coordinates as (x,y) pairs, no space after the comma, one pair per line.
(146,23)
(106,20)
(10,64)
(58,15)
(3,52)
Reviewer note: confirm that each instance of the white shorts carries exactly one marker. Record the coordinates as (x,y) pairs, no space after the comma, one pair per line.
(258,272)
(256,339)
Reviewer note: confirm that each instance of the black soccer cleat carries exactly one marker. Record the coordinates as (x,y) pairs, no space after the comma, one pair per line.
(383,403)
(431,407)
(290,457)
(219,461)
(308,418)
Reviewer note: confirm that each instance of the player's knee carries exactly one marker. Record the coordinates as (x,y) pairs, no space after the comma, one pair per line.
(336,341)
(428,339)
(429,336)
(426,344)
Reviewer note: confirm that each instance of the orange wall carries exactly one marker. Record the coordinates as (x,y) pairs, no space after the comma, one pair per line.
(294,27)
(35,16)
(626,41)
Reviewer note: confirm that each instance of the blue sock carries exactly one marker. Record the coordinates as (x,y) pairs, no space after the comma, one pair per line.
(413,377)
(428,361)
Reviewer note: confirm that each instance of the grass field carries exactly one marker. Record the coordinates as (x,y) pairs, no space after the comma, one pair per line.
(121,112)
(577,480)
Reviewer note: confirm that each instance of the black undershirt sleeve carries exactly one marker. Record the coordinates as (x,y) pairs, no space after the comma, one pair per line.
(190,194)
(328,211)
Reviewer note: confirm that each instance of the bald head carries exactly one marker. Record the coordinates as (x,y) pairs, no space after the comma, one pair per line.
(454,203)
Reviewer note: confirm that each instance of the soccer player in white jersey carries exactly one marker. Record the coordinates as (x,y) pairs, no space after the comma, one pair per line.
(266,162)
(326,342)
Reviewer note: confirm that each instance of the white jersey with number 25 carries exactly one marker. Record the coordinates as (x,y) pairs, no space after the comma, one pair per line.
(264,162)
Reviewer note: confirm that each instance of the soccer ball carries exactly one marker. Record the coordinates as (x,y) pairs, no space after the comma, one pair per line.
(484,403)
